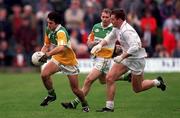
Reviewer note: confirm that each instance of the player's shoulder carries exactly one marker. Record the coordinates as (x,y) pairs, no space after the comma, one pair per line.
(127,27)
(97,25)
(61,30)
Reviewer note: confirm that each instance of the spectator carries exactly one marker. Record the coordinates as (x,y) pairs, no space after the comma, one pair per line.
(43,8)
(2,4)
(91,17)
(149,28)
(5,25)
(133,19)
(19,59)
(28,13)
(31,2)
(169,41)
(110,4)
(167,7)
(16,18)
(3,52)
(41,4)
(74,15)
(97,5)
(60,5)
(10,3)
(176,52)
(177,7)
(160,52)
(153,7)
(74,40)
(27,37)
(78,43)
(173,24)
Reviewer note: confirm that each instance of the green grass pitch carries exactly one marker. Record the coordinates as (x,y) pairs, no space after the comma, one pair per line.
(21,94)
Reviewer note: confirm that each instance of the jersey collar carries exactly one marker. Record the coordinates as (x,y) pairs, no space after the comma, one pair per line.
(110,25)
(122,25)
(57,28)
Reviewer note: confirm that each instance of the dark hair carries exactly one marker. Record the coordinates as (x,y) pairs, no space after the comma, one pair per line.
(106,10)
(119,14)
(54,16)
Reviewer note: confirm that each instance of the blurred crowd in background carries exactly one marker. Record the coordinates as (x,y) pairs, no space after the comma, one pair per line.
(22,24)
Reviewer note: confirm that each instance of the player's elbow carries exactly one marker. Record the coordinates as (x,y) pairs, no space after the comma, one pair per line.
(133,49)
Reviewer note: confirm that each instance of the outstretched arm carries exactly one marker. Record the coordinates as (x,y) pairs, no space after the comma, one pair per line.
(110,38)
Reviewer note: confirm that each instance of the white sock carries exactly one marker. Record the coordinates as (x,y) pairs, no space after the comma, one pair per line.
(110,104)
(156,82)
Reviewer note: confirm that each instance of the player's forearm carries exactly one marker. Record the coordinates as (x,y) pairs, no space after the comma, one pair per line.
(103,43)
(56,50)
(44,48)
(133,49)
(92,43)
(125,55)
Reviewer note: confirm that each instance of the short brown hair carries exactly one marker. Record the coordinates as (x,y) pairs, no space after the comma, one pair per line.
(54,16)
(119,14)
(106,10)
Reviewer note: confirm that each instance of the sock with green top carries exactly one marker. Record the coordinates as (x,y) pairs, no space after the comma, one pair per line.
(84,104)
(51,92)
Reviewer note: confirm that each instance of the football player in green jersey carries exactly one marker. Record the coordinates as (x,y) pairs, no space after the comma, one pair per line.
(63,59)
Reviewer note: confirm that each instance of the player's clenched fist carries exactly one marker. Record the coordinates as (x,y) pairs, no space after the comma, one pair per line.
(118,59)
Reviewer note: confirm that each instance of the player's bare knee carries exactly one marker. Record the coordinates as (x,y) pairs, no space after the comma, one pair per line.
(44,75)
(109,79)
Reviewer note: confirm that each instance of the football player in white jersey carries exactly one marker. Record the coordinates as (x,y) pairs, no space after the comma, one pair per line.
(101,60)
(132,58)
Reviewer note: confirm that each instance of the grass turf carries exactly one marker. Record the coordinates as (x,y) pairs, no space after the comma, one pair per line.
(21,94)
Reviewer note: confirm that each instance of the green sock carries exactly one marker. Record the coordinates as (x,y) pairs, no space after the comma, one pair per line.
(52,92)
(84,104)
(75,102)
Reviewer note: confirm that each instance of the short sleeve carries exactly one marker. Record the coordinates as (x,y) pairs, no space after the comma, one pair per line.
(61,38)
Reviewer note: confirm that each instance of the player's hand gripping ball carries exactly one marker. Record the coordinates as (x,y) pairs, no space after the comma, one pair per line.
(39,58)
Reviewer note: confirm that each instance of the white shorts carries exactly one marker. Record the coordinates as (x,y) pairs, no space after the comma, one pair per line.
(135,65)
(67,70)
(101,64)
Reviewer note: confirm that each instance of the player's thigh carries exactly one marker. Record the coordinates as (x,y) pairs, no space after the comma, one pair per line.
(137,81)
(116,71)
(73,80)
(50,68)
(93,74)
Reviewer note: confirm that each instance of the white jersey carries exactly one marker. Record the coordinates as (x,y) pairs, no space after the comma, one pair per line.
(129,40)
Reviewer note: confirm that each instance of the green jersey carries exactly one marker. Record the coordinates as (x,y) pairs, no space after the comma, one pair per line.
(97,34)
